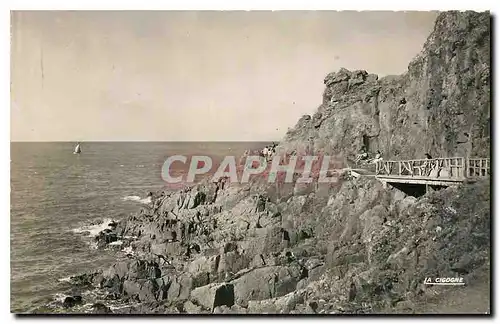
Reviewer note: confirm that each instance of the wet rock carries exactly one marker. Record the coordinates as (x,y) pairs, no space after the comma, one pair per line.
(113,224)
(142,289)
(71,301)
(85,279)
(113,284)
(99,308)
(105,237)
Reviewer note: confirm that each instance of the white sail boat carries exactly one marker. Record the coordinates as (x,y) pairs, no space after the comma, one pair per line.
(77,150)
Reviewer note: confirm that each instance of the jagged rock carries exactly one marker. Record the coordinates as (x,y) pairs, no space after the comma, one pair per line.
(214,295)
(99,308)
(205,264)
(201,279)
(191,308)
(233,262)
(230,247)
(86,279)
(336,77)
(180,288)
(258,261)
(72,301)
(357,77)
(265,283)
(235,309)
(268,240)
(279,305)
(141,289)
(450,75)
(105,237)
(406,202)
(112,284)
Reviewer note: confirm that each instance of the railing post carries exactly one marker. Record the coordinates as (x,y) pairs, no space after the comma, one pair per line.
(399,167)
(466,166)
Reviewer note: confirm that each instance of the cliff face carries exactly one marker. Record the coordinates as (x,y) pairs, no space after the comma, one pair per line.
(441,105)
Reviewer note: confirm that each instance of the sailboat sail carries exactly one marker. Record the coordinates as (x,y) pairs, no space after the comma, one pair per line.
(77,150)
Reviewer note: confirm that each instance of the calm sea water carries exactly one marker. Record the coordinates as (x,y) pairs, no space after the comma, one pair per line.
(54,193)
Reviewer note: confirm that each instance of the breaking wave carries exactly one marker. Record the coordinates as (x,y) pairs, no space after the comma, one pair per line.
(137,199)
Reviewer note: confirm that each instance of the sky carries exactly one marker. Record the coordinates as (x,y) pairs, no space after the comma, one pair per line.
(191,75)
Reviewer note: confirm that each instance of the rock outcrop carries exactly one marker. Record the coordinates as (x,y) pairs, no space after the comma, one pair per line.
(441,105)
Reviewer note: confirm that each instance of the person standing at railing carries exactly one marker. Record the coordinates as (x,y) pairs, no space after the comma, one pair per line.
(363,155)
(378,157)
(425,167)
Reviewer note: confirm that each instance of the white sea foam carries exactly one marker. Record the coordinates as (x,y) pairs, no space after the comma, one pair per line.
(66,279)
(116,243)
(137,199)
(128,250)
(93,230)
(59,297)
(117,307)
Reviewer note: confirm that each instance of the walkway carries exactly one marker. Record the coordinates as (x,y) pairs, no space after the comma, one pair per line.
(440,171)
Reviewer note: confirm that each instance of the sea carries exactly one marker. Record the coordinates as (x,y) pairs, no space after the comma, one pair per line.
(59,200)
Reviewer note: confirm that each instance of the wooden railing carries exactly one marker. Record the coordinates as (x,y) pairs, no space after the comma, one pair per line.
(477,167)
(454,168)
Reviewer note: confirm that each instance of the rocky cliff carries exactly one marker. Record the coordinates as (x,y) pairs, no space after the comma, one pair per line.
(441,105)
(355,247)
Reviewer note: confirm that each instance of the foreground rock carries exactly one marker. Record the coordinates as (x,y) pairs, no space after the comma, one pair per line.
(211,296)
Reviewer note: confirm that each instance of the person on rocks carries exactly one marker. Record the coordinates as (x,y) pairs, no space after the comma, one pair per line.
(222,182)
(261,204)
(378,157)
(270,153)
(363,155)
(264,151)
